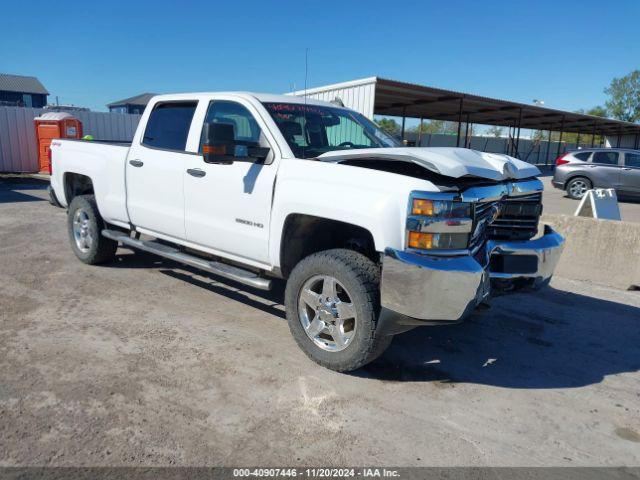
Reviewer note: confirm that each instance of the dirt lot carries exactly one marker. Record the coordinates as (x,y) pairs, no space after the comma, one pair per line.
(146,362)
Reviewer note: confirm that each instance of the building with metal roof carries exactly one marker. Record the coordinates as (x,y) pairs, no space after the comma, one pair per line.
(22,91)
(134,104)
(379,96)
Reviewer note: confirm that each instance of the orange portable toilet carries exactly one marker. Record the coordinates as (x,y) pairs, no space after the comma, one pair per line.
(54,125)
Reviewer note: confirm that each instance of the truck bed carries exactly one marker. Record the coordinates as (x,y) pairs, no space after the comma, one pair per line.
(103,162)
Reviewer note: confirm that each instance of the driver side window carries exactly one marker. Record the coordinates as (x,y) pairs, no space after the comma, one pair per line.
(245,128)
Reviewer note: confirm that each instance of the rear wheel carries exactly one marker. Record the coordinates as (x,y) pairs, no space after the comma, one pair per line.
(85,225)
(332,302)
(578,186)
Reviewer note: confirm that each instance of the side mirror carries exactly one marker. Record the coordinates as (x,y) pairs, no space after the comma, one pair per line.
(217,143)
(220,146)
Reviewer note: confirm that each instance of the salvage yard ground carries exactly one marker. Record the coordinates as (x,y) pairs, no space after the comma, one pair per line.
(146,362)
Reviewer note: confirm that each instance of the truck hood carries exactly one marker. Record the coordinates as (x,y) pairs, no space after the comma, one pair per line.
(448,161)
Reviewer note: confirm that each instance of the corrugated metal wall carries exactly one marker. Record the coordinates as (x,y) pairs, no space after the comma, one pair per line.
(360,97)
(624,141)
(18,147)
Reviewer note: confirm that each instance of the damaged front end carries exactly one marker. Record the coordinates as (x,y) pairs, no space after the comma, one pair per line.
(462,247)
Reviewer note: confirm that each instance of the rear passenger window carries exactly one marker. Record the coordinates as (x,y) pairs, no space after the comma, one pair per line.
(168,125)
(632,159)
(606,158)
(584,156)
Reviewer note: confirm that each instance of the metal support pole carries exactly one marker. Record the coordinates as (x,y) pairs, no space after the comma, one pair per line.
(560,139)
(459,121)
(404,118)
(593,135)
(518,136)
(619,138)
(578,141)
(420,132)
(635,142)
(466,132)
(546,161)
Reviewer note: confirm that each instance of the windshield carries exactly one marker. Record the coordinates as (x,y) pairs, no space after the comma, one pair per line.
(311,130)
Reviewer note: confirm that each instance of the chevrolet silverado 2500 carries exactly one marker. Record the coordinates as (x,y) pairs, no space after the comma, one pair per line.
(372,238)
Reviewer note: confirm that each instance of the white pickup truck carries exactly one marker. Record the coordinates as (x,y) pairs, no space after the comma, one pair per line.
(372,238)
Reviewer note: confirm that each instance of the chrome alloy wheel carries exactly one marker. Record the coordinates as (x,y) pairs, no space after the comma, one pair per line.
(327,313)
(578,188)
(81,231)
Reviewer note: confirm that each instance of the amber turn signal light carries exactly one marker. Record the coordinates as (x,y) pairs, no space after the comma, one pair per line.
(214,149)
(422,207)
(420,240)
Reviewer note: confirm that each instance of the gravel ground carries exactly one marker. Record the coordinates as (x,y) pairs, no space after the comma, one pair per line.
(145,362)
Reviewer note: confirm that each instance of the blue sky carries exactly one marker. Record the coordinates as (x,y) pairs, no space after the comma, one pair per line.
(91,53)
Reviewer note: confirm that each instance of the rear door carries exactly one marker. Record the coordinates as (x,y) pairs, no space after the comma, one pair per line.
(155,170)
(605,169)
(630,174)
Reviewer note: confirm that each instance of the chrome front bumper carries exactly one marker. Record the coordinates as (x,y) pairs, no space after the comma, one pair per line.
(446,289)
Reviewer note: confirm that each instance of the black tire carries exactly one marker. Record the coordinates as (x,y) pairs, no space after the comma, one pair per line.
(571,184)
(53,200)
(100,249)
(361,277)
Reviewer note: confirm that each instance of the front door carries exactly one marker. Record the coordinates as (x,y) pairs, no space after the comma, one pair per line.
(630,174)
(228,207)
(605,170)
(155,170)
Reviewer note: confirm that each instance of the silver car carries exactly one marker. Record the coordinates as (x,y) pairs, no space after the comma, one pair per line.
(581,170)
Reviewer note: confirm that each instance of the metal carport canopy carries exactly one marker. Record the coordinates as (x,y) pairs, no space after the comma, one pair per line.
(402,99)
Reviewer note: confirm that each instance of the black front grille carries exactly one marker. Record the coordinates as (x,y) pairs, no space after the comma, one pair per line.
(517,219)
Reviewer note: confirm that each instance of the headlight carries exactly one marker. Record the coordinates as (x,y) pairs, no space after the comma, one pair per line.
(438,224)
(438,241)
(440,208)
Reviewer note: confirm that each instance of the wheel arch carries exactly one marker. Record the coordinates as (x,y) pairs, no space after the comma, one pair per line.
(75,184)
(575,175)
(303,235)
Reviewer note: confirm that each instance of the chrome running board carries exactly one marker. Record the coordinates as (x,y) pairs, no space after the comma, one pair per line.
(230,272)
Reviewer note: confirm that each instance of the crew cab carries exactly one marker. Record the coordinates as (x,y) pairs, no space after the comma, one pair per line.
(371,237)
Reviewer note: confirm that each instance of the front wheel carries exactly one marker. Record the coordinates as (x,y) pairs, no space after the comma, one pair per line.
(332,300)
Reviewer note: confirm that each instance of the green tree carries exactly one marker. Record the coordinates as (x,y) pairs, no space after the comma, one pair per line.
(624,97)
(539,135)
(495,131)
(389,125)
(598,111)
(432,126)
(438,126)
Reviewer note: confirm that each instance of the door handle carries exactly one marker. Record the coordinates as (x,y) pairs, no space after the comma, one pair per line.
(626,168)
(196,172)
(136,163)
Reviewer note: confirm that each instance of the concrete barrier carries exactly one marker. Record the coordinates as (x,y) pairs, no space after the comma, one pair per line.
(600,251)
